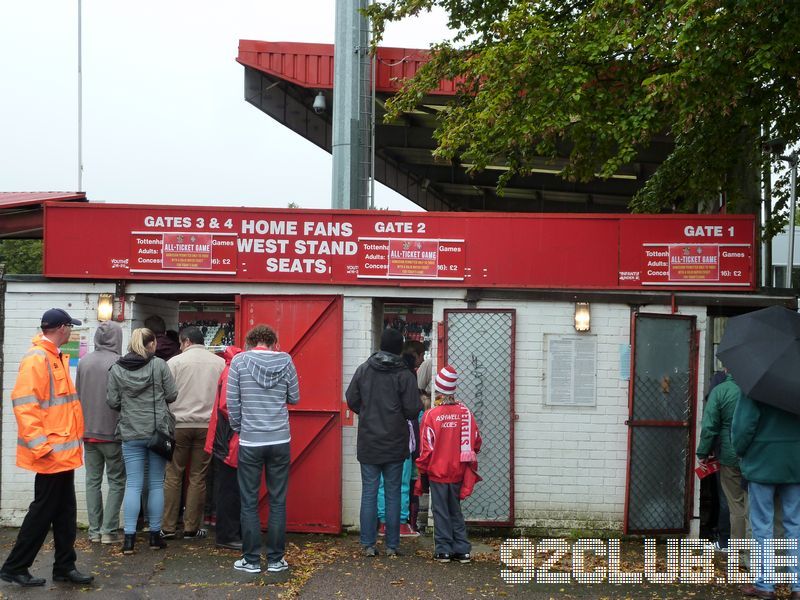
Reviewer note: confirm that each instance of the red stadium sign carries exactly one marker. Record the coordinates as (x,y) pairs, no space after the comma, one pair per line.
(581,251)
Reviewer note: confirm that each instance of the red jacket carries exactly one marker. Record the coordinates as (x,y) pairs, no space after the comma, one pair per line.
(221,440)
(440,456)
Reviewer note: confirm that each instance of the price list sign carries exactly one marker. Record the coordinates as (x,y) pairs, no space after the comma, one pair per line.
(183,252)
(697,264)
(410,258)
(687,253)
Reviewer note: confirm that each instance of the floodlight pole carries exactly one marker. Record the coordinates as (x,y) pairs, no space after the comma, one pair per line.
(350,74)
(80,97)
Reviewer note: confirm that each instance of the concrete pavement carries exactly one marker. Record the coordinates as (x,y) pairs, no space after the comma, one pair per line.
(320,567)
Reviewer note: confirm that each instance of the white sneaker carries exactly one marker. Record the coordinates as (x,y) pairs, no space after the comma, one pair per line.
(243,565)
(277,567)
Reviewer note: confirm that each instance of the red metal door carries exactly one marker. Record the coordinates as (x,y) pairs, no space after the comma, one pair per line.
(309,328)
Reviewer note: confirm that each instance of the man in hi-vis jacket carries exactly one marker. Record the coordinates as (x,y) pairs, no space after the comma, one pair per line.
(50,428)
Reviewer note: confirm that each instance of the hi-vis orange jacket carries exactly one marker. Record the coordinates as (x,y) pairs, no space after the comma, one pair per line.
(49,415)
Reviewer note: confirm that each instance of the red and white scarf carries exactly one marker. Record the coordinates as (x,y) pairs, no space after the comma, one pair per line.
(467,434)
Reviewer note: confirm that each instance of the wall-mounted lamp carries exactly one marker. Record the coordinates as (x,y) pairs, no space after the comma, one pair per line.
(105,307)
(583,318)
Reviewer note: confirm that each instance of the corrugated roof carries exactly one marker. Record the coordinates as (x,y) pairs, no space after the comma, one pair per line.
(21,213)
(311,65)
(15,199)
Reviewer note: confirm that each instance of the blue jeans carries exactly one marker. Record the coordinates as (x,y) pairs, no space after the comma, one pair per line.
(253,461)
(762,511)
(370,479)
(405,495)
(135,453)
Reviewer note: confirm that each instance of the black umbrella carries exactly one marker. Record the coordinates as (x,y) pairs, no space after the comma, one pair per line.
(761,349)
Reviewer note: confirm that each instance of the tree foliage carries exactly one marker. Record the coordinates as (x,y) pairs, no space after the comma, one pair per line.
(603,78)
(21,256)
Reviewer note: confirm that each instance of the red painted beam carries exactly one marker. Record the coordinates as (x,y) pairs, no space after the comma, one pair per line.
(311,65)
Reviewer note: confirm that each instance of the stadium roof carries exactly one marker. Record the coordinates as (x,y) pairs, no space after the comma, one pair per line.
(21,212)
(283,78)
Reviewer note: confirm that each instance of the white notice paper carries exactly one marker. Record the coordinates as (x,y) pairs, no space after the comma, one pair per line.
(572,370)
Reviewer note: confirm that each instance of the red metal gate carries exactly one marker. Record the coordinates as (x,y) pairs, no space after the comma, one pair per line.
(310,329)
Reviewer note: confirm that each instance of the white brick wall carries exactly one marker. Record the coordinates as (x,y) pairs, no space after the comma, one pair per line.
(570,463)
(24,305)
(357,347)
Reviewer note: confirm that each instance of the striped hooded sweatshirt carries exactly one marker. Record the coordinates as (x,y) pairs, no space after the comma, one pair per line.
(260,385)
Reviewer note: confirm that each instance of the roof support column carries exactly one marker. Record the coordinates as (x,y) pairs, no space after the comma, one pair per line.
(350,189)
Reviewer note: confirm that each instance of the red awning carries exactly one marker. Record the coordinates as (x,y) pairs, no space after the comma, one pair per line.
(21,212)
(311,65)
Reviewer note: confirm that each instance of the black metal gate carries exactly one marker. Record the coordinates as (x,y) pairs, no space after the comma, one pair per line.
(480,345)
(661,409)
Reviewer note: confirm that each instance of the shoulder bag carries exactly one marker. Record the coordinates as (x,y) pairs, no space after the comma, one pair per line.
(160,442)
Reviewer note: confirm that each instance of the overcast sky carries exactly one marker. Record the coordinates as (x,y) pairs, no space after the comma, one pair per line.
(164,115)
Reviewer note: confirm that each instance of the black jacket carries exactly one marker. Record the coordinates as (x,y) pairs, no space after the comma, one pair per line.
(384,395)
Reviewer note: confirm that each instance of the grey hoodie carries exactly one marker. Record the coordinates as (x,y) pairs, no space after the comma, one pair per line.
(100,422)
(260,385)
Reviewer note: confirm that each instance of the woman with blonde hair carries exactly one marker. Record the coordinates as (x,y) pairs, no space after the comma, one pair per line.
(140,386)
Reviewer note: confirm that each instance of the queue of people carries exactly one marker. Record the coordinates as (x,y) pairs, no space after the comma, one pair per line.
(143,421)
(386,394)
(758,448)
(144,418)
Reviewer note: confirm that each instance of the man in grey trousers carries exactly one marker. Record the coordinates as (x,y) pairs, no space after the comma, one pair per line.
(102,448)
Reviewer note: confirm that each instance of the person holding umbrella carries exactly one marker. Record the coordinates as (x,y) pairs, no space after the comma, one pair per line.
(762,351)
(768,441)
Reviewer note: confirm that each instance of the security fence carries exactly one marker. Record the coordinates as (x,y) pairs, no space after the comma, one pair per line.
(480,345)
(660,454)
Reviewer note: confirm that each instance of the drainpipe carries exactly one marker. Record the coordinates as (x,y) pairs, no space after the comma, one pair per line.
(2,342)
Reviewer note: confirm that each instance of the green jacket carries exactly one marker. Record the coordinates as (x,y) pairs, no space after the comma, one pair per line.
(767,440)
(140,388)
(717,418)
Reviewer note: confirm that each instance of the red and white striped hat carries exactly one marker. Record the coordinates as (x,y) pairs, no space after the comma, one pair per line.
(446,381)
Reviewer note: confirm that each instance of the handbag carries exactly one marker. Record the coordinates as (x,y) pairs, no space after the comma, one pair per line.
(160,442)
